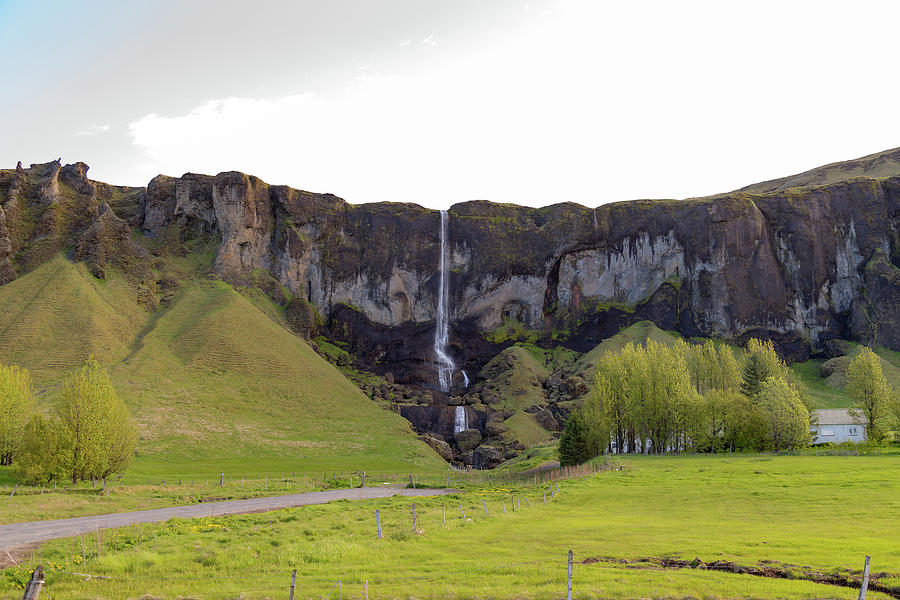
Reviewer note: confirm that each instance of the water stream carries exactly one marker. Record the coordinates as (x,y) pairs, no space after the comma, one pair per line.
(445,364)
(460,420)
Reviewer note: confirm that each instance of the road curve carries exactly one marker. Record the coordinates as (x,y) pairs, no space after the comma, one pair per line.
(32,532)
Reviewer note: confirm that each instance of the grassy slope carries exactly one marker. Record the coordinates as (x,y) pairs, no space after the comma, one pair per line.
(829,392)
(213,380)
(53,317)
(638,333)
(822,512)
(218,385)
(880,164)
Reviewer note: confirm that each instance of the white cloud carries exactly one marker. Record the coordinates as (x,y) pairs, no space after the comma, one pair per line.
(93,130)
(429,41)
(592,103)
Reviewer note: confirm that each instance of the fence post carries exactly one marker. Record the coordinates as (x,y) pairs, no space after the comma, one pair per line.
(411,482)
(33,589)
(502,501)
(293,584)
(462,511)
(569,587)
(378,523)
(221,479)
(363,479)
(415,527)
(865,581)
(485,508)
(443,515)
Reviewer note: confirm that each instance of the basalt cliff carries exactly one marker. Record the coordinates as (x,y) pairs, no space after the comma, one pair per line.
(800,261)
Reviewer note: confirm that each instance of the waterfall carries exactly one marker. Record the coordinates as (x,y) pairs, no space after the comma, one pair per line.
(445,364)
(465,379)
(461,420)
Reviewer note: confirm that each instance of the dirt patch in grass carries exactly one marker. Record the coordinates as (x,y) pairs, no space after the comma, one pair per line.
(764,568)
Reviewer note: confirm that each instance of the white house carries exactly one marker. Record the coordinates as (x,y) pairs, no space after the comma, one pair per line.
(837,425)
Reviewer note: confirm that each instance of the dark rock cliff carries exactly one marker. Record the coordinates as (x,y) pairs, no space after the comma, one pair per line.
(800,265)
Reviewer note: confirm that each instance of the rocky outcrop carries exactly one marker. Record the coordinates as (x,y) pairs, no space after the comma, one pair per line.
(7,271)
(107,242)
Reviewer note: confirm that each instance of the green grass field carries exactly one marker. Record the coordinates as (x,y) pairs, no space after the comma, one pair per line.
(804,513)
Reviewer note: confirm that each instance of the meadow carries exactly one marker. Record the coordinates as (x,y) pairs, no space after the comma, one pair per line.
(794,515)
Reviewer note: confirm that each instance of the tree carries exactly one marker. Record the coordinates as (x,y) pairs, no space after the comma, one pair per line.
(869,390)
(98,430)
(16,406)
(711,366)
(785,415)
(42,456)
(610,390)
(573,447)
(594,419)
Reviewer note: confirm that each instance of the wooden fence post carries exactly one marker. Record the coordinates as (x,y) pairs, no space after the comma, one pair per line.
(485,508)
(462,511)
(363,479)
(221,479)
(378,524)
(293,584)
(502,501)
(569,587)
(33,589)
(415,525)
(443,515)
(865,581)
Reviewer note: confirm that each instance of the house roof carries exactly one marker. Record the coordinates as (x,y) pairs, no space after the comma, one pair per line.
(838,416)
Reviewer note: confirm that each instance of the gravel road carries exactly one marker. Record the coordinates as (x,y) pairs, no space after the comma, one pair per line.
(22,534)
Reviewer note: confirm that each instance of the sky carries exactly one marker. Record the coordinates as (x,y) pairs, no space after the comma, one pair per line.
(442,101)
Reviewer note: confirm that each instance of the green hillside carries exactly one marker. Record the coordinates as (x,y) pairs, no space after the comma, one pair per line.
(214,382)
(875,166)
(218,385)
(825,378)
(638,333)
(52,318)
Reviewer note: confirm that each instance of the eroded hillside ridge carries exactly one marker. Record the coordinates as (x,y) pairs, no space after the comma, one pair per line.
(799,266)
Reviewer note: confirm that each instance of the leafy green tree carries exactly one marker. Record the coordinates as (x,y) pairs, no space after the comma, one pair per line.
(869,390)
(96,425)
(42,457)
(610,390)
(594,419)
(785,415)
(711,366)
(16,406)
(573,445)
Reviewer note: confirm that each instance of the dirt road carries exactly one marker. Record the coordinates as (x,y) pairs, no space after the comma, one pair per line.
(16,535)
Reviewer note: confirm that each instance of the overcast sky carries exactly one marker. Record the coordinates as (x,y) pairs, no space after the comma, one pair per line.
(437,102)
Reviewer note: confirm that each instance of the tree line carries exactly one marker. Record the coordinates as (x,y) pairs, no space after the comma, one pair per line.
(88,433)
(658,398)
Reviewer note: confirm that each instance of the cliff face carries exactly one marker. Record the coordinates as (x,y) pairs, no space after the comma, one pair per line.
(793,265)
(801,265)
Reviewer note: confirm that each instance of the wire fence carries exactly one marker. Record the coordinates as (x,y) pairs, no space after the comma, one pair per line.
(289,482)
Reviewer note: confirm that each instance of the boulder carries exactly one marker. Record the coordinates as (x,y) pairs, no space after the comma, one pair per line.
(494,428)
(831,365)
(439,446)
(468,439)
(487,457)
(576,386)
(836,348)
(546,420)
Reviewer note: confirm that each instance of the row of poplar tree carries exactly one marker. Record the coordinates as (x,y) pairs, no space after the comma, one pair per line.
(659,398)
(87,434)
